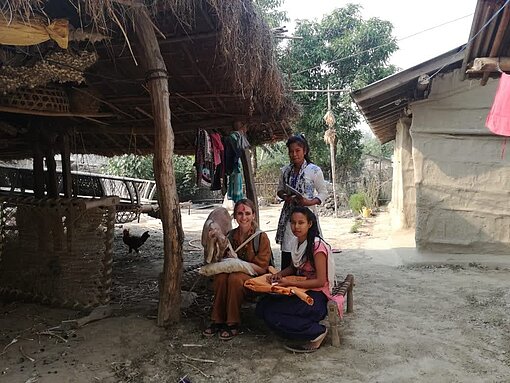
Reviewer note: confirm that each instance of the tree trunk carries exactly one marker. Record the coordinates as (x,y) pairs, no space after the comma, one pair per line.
(157,81)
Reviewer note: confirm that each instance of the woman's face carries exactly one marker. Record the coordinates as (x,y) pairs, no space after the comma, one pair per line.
(300,225)
(244,217)
(296,153)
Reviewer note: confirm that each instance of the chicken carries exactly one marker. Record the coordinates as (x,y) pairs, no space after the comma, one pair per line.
(134,241)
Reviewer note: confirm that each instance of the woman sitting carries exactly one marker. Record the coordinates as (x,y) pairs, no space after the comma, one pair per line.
(229,290)
(289,316)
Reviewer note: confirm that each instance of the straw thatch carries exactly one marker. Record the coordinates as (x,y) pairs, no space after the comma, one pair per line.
(220,59)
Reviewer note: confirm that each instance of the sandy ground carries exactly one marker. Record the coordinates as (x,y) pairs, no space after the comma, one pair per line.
(441,322)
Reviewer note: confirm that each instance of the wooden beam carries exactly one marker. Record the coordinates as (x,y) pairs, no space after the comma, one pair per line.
(51,165)
(169,309)
(10,109)
(490,64)
(505,19)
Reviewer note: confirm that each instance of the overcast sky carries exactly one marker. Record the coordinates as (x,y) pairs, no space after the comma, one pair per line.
(408,17)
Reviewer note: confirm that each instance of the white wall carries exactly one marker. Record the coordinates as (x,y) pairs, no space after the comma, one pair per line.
(462,181)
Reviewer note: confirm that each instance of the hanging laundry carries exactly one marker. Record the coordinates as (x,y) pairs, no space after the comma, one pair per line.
(218,160)
(234,145)
(498,119)
(203,159)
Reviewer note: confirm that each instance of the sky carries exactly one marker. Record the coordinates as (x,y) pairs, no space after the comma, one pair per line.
(408,17)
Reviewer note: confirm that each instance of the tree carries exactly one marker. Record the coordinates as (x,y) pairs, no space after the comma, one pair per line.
(271,12)
(372,146)
(345,52)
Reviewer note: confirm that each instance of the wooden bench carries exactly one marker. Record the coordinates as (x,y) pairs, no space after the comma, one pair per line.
(333,319)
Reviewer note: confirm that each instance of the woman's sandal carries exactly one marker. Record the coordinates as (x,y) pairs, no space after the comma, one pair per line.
(311,346)
(229,332)
(213,329)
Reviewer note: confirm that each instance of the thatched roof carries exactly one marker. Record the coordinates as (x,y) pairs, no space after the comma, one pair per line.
(219,56)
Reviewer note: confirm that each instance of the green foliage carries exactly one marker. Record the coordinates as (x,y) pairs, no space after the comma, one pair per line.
(271,12)
(340,50)
(131,165)
(271,157)
(357,201)
(372,146)
(356,226)
(142,167)
(185,177)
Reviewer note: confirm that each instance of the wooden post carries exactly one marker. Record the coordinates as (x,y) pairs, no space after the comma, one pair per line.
(249,180)
(65,153)
(169,310)
(51,165)
(38,171)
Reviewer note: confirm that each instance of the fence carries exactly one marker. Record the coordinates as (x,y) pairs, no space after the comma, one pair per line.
(133,192)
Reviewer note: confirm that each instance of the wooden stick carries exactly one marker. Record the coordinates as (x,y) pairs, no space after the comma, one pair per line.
(9,345)
(199,360)
(25,354)
(490,64)
(198,369)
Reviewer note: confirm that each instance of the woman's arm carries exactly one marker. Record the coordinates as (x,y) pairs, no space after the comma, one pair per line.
(263,256)
(320,186)
(276,278)
(320,259)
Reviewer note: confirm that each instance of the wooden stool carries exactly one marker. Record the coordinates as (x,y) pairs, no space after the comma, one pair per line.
(333,319)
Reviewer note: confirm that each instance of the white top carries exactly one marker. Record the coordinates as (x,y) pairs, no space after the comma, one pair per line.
(315,187)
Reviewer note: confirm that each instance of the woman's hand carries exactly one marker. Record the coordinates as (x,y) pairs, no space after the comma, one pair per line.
(274,278)
(301,201)
(283,282)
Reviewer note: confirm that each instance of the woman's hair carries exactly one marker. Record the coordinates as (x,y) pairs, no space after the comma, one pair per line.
(301,141)
(250,204)
(313,232)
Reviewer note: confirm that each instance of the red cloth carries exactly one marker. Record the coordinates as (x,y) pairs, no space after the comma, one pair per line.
(217,147)
(498,119)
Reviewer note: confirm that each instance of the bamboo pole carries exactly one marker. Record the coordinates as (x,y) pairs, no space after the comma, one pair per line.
(157,82)
(332,159)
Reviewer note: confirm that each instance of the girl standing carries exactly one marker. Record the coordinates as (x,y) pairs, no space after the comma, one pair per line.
(289,316)
(229,290)
(305,177)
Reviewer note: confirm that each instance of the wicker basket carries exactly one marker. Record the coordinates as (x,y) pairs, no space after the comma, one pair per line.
(48,99)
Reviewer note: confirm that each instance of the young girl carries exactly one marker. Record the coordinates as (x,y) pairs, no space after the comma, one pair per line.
(229,290)
(307,178)
(289,316)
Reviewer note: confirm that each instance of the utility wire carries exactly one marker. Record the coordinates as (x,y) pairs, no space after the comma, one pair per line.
(476,34)
(385,44)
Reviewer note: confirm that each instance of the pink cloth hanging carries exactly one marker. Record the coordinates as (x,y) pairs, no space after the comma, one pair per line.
(498,119)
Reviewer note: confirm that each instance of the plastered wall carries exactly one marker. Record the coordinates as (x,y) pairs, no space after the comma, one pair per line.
(462,181)
(403,199)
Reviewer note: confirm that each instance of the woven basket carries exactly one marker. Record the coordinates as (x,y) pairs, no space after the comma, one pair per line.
(48,99)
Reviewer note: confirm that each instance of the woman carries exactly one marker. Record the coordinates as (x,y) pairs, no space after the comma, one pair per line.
(229,290)
(311,257)
(305,177)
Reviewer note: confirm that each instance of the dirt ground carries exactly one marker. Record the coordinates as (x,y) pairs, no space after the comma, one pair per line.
(419,323)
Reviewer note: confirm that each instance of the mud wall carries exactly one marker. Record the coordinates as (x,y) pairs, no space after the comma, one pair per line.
(403,198)
(462,180)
